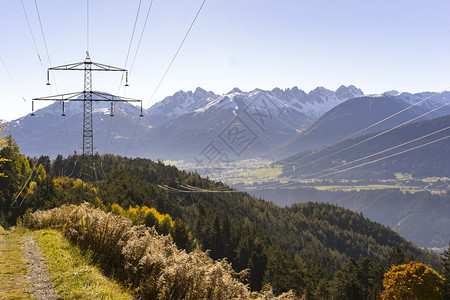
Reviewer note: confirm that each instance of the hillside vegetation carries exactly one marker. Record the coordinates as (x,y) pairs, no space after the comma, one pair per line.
(303,247)
(420,217)
(139,257)
(428,161)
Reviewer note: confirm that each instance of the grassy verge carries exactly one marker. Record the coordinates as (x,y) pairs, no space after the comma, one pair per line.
(14,283)
(70,271)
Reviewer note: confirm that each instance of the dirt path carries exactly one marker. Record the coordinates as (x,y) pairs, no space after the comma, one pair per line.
(14,282)
(41,286)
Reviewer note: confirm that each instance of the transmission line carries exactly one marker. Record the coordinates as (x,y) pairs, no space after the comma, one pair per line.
(176,53)
(169,66)
(382,151)
(131,43)
(12,79)
(273,185)
(369,138)
(393,115)
(28,191)
(53,76)
(26,182)
(45,41)
(140,38)
(31,31)
(87,25)
(126,62)
(278,185)
(386,157)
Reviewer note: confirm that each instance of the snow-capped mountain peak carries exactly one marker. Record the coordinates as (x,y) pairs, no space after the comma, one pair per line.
(312,104)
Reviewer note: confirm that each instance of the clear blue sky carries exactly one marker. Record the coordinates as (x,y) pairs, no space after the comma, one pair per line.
(375,45)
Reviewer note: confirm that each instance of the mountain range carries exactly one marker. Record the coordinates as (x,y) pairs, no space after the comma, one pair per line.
(204,126)
(430,158)
(355,117)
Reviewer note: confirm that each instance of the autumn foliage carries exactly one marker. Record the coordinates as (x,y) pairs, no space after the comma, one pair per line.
(2,145)
(147,262)
(412,281)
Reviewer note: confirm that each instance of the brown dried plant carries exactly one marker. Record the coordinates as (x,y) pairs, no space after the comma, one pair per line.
(139,257)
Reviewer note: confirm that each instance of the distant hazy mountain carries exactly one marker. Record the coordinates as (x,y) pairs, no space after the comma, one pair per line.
(237,124)
(178,104)
(267,119)
(312,104)
(431,160)
(356,116)
(433,101)
(49,133)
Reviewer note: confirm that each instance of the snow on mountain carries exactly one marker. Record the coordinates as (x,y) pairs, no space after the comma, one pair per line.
(178,104)
(425,101)
(434,99)
(278,101)
(256,100)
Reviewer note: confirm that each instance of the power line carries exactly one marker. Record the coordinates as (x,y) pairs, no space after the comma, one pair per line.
(369,138)
(382,151)
(87,25)
(170,65)
(187,189)
(40,61)
(140,38)
(26,182)
(131,41)
(274,185)
(176,53)
(386,157)
(134,133)
(126,61)
(31,31)
(12,79)
(277,185)
(28,191)
(45,42)
(393,115)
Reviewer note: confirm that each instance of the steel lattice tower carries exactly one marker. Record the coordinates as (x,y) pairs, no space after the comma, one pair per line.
(88,134)
(89,96)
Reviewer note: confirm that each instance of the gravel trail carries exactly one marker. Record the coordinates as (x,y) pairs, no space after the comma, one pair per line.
(41,285)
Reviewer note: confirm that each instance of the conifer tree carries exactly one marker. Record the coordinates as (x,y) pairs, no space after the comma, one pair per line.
(446,271)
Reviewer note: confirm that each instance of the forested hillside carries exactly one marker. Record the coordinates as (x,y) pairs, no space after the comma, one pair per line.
(420,217)
(299,247)
(354,158)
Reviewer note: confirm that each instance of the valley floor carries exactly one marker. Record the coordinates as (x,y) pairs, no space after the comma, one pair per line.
(254,174)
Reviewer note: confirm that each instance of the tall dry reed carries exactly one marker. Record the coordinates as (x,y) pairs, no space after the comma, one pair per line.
(141,258)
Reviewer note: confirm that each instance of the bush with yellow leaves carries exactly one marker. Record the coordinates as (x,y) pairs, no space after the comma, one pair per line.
(412,281)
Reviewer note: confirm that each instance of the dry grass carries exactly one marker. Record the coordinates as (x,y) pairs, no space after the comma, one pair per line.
(149,263)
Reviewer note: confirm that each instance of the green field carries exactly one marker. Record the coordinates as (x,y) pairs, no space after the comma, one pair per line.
(245,174)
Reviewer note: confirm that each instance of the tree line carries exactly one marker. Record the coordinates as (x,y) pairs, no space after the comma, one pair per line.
(319,250)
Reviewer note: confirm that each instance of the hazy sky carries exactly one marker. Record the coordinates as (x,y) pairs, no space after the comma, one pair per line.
(375,45)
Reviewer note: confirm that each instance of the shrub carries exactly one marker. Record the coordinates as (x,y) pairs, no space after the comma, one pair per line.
(413,280)
(148,262)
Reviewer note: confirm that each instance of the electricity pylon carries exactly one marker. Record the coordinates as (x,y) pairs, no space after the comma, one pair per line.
(88,97)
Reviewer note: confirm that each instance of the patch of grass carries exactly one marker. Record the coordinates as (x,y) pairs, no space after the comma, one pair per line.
(267,172)
(403,176)
(434,179)
(70,271)
(14,283)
